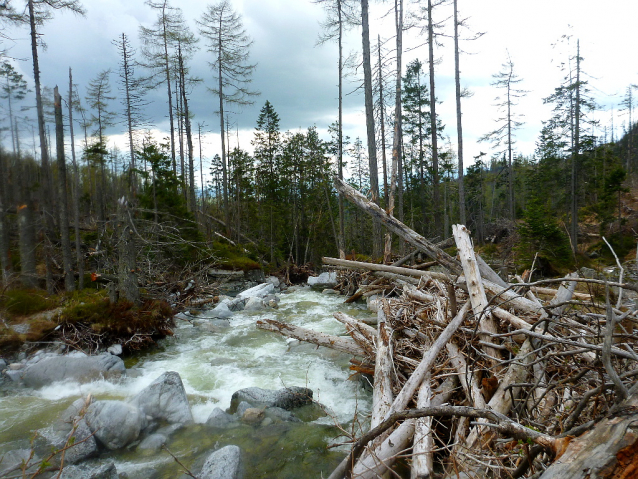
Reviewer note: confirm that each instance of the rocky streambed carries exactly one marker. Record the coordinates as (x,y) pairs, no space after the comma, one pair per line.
(222,397)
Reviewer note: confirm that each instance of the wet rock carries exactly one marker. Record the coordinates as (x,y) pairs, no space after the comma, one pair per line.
(224,463)
(115,349)
(236,304)
(241,408)
(221,311)
(254,304)
(115,423)
(153,442)
(279,414)
(15,376)
(12,462)
(221,420)
(330,291)
(105,471)
(258,291)
(256,275)
(3,365)
(286,398)
(323,281)
(75,367)
(253,416)
(274,281)
(165,400)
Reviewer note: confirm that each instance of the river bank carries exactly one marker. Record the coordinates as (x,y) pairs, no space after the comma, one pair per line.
(214,360)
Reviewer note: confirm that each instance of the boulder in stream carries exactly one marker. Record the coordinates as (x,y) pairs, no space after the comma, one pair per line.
(225,463)
(165,400)
(285,398)
(323,281)
(259,291)
(73,367)
(115,423)
(221,420)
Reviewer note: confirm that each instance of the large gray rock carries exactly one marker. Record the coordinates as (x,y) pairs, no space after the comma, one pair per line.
(323,281)
(165,400)
(78,368)
(258,291)
(224,463)
(83,443)
(153,442)
(12,462)
(286,398)
(115,423)
(221,420)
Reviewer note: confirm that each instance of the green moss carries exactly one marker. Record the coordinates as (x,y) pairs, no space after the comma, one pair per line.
(24,302)
(234,257)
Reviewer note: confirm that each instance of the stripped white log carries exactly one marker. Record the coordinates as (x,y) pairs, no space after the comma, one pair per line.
(552,292)
(487,325)
(565,293)
(423,442)
(365,330)
(382,391)
(415,380)
(384,267)
(418,295)
(345,345)
(468,382)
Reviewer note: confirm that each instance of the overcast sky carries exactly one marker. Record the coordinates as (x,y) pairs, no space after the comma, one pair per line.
(300,78)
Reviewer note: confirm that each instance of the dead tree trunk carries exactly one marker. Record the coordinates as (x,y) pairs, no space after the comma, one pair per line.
(67,261)
(127,270)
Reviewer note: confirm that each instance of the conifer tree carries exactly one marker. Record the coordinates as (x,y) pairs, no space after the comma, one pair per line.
(229,45)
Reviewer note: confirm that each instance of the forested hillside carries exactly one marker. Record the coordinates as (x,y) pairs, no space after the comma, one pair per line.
(74,205)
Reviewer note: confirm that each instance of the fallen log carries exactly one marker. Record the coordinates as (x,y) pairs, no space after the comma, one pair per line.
(482,315)
(345,345)
(387,268)
(408,234)
(382,389)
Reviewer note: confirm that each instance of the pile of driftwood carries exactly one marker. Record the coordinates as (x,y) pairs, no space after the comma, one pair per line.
(475,377)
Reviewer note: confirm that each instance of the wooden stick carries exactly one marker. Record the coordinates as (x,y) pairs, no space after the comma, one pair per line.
(387,268)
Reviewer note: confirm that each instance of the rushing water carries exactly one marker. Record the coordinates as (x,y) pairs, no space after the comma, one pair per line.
(214,363)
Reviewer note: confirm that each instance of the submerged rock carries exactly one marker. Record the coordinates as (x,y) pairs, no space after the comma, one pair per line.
(286,398)
(224,463)
(106,471)
(253,415)
(78,368)
(115,423)
(221,311)
(165,400)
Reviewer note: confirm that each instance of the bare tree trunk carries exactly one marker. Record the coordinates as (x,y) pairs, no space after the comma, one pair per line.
(386,191)
(396,142)
(377,240)
(575,153)
(223,138)
(342,232)
(189,137)
(67,261)
(26,228)
(168,86)
(76,192)
(44,152)
(435,149)
(459,125)
(127,275)
(5,259)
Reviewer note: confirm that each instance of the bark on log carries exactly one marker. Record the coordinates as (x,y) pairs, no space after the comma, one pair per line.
(345,345)
(609,450)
